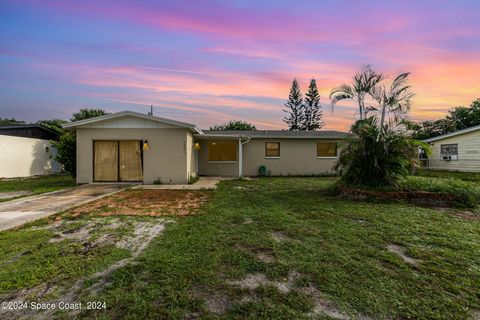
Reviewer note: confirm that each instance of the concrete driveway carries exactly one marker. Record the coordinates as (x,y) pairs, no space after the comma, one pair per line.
(17,212)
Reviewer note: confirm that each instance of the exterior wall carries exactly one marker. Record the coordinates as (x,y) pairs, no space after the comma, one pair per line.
(468,153)
(166,158)
(24,157)
(206,168)
(191,157)
(297,157)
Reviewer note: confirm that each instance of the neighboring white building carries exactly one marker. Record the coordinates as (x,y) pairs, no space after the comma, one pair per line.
(456,151)
(26,150)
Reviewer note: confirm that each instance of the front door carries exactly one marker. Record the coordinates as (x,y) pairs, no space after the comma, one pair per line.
(117,161)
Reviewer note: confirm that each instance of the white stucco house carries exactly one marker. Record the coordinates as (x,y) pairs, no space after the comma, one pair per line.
(136,147)
(26,150)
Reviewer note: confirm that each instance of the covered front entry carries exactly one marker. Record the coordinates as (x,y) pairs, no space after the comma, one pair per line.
(120,160)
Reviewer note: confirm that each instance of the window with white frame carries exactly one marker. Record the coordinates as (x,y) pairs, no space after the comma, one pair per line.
(326,149)
(272,149)
(449,151)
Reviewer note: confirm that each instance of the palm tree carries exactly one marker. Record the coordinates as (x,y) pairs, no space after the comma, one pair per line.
(395,99)
(363,83)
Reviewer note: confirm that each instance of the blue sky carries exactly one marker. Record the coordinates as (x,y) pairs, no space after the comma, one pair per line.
(225,60)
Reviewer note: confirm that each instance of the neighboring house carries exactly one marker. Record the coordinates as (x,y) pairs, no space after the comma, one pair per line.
(131,146)
(26,150)
(456,151)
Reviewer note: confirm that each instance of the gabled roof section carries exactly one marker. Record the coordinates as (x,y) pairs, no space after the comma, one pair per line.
(453,134)
(272,134)
(121,114)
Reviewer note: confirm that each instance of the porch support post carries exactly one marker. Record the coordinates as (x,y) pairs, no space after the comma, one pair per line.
(240,157)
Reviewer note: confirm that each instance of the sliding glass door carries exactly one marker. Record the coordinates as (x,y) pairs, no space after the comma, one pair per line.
(117,161)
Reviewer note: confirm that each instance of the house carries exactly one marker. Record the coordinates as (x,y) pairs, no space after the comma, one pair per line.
(131,146)
(456,151)
(26,150)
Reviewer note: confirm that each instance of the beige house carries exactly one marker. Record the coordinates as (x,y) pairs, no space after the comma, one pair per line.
(130,146)
(456,151)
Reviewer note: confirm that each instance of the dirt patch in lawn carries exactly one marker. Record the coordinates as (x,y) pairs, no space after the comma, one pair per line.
(147,203)
(321,305)
(255,280)
(136,241)
(280,236)
(401,252)
(468,215)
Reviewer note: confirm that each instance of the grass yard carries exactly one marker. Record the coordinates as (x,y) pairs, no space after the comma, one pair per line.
(466,176)
(279,248)
(35,185)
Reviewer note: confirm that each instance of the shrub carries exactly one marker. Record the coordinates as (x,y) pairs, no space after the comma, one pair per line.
(67,150)
(374,156)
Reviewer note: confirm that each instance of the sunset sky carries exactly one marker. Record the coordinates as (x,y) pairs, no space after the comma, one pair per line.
(207,62)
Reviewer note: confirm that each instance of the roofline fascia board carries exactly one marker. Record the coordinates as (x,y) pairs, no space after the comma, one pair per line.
(206,135)
(131,113)
(452,134)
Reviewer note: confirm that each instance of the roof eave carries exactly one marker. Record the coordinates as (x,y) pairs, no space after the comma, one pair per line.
(452,134)
(75,124)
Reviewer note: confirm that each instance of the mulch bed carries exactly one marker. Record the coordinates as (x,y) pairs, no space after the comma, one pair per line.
(146,203)
(434,199)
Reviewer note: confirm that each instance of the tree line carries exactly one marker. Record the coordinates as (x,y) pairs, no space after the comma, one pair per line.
(456,119)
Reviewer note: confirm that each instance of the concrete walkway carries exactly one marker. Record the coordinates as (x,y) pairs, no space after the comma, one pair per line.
(202,183)
(17,212)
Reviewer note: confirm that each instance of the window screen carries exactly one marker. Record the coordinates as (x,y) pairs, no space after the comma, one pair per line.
(222,150)
(449,149)
(272,149)
(326,149)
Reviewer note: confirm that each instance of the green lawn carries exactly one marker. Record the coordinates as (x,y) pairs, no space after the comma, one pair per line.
(274,248)
(466,176)
(37,185)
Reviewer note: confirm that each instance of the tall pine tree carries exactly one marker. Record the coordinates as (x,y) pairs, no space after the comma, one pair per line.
(294,107)
(312,112)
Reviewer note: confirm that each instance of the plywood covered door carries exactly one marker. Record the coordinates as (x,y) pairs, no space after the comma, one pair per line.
(130,161)
(105,161)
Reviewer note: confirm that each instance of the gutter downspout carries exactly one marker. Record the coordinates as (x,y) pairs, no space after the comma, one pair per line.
(240,155)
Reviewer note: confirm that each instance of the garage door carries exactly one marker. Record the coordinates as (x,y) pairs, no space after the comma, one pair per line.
(117,161)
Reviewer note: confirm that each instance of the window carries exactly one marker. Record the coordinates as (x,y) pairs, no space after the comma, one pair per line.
(272,149)
(222,150)
(449,151)
(326,149)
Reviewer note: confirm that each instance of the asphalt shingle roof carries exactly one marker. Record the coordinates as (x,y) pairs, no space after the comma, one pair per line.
(278,133)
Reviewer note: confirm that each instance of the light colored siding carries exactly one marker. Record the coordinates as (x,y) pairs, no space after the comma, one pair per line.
(468,153)
(24,157)
(166,158)
(297,157)
(214,168)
